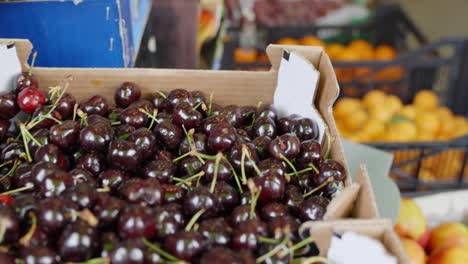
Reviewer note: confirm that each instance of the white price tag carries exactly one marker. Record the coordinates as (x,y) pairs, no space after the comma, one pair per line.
(10,66)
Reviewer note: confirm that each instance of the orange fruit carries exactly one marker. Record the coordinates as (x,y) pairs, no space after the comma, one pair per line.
(385,52)
(262,57)
(427,123)
(346,75)
(373,128)
(414,251)
(245,55)
(408,111)
(374,97)
(381,113)
(363,48)
(402,132)
(334,50)
(287,41)
(356,120)
(345,107)
(311,41)
(394,103)
(426,100)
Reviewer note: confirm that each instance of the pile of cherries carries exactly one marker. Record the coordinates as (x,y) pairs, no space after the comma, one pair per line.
(173,177)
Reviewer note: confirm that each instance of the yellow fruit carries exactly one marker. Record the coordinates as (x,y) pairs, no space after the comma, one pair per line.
(374,97)
(311,41)
(447,127)
(402,131)
(444,112)
(346,106)
(414,251)
(287,41)
(427,123)
(426,100)
(408,111)
(334,50)
(373,128)
(394,103)
(424,137)
(381,113)
(356,120)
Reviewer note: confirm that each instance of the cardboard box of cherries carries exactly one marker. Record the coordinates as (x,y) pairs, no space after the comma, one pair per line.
(152,166)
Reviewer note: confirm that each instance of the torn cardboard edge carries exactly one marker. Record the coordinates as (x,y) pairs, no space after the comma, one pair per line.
(229,87)
(379,229)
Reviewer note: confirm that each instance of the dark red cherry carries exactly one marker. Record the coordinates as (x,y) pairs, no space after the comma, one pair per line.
(261,145)
(82,176)
(96,137)
(160,102)
(189,166)
(233,115)
(11,151)
(306,129)
(4,125)
(54,213)
(224,170)
(41,170)
(95,105)
(136,222)
(287,145)
(164,116)
(293,198)
(280,223)
(330,168)
(273,210)
(55,183)
(97,119)
(184,115)
(145,142)
(25,80)
(41,136)
(123,154)
(78,242)
(247,115)
(311,152)
(133,116)
(273,186)
(93,163)
(51,153)
(201,198)
(161,170)
(107,209)
(173,193)
(178,96)
(123,131)
(126,94)
(211,122)
(227,196)
(241,214)
(133,251)
(333,189)
(168,134)
(286,124)
(220,255)
(222,137)
(264,126)
(22,175)
(39,254)
(313,208)
(65,135)
(142,104)
(112,178)
(199,139)
(272,165)
(30,99)
(24,204)
(45,114)
(267,111)
(145,192)
(198,97)
(66,105)
(8,106)
(235,157)
(10,223)
(305,181)
(185,245)
(216,231)
(84,195)
(246,235)
(169,219)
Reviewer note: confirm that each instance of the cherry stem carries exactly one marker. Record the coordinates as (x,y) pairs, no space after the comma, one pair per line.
(190,153)
(191,143)
(162,94)
(41,117)
(24,188)
(194,219)
(27,237)
(268,240)
(295,247)
(244,177)
(151,116)
(187,180)
(103,189)
(274,251)
(32,63)
(75,108)
(13,168)
(311,167)
(259,104)
(329,144)
(255,192)
(3,227)
(160,251)
(318,187)
(197,105)
(236,177)
(5,163)
(87,216)
(116,123)
(289,163)
(25,142)
(210,105)
(316,259)
(216,169)
(83,116)
(104,260)
(257,170)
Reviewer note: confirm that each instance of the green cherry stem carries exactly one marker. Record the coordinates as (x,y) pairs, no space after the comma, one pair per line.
(244,177)
(83,117)
(13,168)
(197,105)
(236,177)
(151,116)
(104,260)
(329,145)
(274,251)
(162,94)
(189,179)
(255,192)
(318,187)
(24,188)
(32,63)
(216,169)
(190,153)
(5,163)
(3,227)
(295,247)
(193,220)
(27,237)
(268,240)
(210,105)
(247,154)
(160,251)
(290,164)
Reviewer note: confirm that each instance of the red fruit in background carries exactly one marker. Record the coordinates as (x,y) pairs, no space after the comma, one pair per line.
(6,199)
(24,81)
(30,99)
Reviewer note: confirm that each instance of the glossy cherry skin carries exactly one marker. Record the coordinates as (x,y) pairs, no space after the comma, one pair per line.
(96,137)
(23,204)
(286,124)
(199,140)
(233,115)
(311,152)
(189,166)
(293,198)
(264,126)
(25,80)
(216,231)
(65,135)
(168,134)
(22,175)
(267,111)
(78,241)
(211,122)
(159,169)
(95,105)
(200,198)
(123,131)
(198,97)
(306,129)
(235,157)
(173,193)
(222,137)
(133,251)
(54,213)
(246,235)
(227,196)
(169,219)
(11,224)
(145,192)
(185,245)
(333,189)
(136,222)
(97,119)
(241,214)
(313,208)
(123,154)
(126,94)
(272,165)
(305,181)
(51,153)
(39,254)
(82,176)
(145,142)
(66,105)
(55,183)
(220,255)
(134,117)
(107,209)
(279,223)
(273,210)
(41,170)
(43,112)
(11,151)
(4,125)
(30,99)
(273,187)
(287,145)
(112,178)
(261,145)
(84,195)
(178,96)
(184,115)
(91,162)
(247,115)
(224,170)
(160,102)
(8,106)
(330,168)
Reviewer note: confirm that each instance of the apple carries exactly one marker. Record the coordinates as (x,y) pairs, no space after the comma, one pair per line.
(448,234)
(411,222)
(414,251)
(450,255)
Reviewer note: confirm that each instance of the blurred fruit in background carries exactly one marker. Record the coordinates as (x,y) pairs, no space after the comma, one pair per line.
(414,251)
(311,41)
(411,222)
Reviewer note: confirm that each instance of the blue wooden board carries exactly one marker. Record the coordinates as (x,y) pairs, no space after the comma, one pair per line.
(87,33)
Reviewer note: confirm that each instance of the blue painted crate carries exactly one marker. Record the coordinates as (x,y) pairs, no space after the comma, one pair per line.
(78,33)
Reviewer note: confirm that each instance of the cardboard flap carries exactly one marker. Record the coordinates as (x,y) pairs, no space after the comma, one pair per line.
(343,204)
(23,48)
(275,53)
(366,206)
